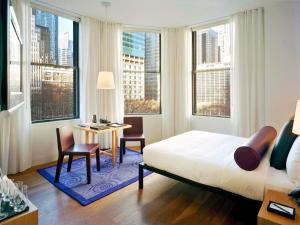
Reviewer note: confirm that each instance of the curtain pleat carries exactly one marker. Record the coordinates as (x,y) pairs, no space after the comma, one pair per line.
(97,55)
(248,72)
(176,81)
(15,128)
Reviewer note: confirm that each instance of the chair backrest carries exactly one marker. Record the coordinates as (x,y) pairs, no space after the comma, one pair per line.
(137,125)
(65,138)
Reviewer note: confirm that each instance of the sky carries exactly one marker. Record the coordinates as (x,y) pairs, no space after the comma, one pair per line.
(65,25)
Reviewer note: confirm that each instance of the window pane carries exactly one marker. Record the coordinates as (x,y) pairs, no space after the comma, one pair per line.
(212,71)
(51,93)
(53,69)
(141,71)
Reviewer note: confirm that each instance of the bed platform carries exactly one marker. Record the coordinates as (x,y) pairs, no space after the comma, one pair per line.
(205,160)
(143,166)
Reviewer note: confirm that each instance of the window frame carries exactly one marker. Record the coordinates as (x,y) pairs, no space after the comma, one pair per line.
(194,69)
(75,67)
(145,72)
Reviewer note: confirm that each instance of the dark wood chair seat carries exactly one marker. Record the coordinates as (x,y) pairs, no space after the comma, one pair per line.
(82,149)
(67,147)
(135,133)
(132,137)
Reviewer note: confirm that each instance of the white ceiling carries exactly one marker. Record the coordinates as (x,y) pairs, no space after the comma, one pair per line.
(159,13)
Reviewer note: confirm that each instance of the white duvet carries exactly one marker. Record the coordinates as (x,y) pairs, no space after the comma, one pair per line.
(207,158)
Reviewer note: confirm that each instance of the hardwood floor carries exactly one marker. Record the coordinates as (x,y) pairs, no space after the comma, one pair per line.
(163,201)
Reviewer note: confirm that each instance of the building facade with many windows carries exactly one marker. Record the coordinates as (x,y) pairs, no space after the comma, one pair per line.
(141,72)
(211,71)
(133,65)
(54,73)
(49,20)
(152,66)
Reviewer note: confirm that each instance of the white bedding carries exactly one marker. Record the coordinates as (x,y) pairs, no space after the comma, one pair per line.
(207,158)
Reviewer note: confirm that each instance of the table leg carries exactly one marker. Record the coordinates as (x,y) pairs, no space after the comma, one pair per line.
(116,143)
(113,146)
(87,137)
(93,138)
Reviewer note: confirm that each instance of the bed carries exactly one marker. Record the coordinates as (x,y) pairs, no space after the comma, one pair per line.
(206,159)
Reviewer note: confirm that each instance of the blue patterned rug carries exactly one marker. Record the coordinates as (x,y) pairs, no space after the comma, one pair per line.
(105,182)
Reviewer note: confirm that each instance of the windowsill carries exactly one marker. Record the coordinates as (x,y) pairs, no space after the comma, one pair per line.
(143,115)
(211,117)
(55,121)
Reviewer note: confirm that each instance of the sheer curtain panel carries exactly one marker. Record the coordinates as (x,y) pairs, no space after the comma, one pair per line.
(15,128)
(176,81)
(168,53)
(248,68)
(183,75)
(95,57)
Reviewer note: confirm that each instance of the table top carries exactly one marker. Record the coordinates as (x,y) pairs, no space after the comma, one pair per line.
(107,128)
(282,198)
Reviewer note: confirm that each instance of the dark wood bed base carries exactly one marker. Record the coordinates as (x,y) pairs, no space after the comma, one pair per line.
(143,166)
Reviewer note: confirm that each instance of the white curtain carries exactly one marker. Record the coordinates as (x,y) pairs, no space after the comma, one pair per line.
(4,141)
(168,56)
(176,81)
(15,129)
(248,69)
(96,56)
(183,75)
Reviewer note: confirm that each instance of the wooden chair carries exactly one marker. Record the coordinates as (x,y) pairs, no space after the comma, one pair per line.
(67,147)
(135,133)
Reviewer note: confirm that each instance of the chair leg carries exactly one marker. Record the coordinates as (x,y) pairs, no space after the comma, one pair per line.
(142,145)
(121,151)
(124,147)
(98,159)
(58,168)
(141,176)
(88,168)
(70,163)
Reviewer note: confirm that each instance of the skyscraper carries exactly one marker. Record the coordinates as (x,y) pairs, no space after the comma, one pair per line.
(50,21)
(43,51)
(133,65)
(213,71)
(152,66)
(51,86)
(207,46)
(65,50)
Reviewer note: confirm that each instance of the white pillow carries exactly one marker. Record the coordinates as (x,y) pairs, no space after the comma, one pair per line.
(293,162)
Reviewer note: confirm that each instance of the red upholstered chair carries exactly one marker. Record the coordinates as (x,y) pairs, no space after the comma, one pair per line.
(135,133)
(67,147)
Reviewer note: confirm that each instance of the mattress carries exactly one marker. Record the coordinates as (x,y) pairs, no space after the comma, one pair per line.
(207,158)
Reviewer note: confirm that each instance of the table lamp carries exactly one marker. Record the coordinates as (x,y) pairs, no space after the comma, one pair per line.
(105,80)
(296,126)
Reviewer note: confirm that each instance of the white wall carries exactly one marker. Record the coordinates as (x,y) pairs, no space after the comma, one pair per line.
(282,58)
(152,128)
(212,124)
(282,61)
(43,140)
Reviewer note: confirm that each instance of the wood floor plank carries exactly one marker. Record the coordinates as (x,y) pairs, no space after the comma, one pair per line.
(163,201)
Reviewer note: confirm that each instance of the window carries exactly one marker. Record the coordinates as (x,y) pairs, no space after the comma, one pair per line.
(141,72)
(211,71)
(54,67)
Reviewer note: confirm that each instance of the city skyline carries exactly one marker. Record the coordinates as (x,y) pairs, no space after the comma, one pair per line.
(51,86)
(141,72)
(213,71)
(59,28)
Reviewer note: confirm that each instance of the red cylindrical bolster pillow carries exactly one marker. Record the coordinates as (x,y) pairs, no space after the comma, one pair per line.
(248,156)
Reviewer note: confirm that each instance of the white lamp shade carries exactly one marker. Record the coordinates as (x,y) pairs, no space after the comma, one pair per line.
(296,126)
(105,80)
